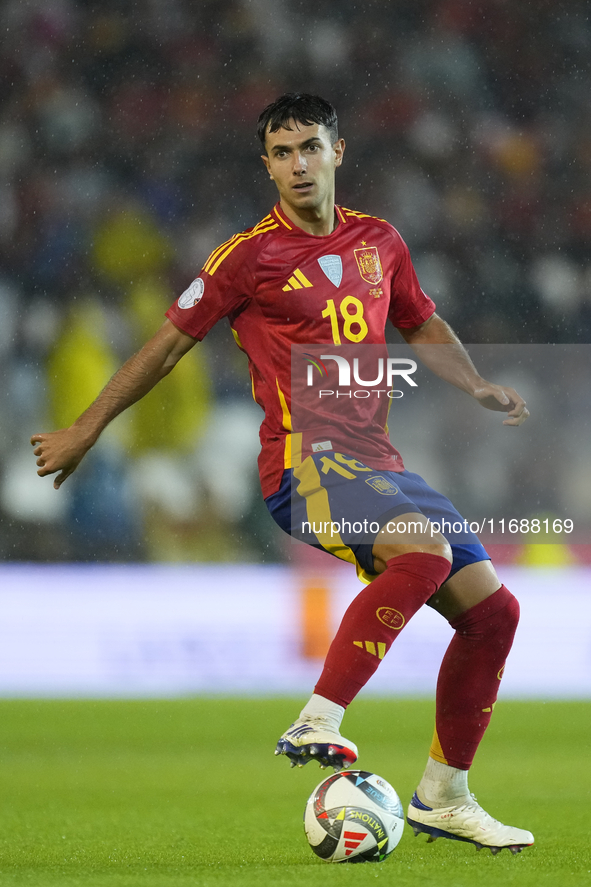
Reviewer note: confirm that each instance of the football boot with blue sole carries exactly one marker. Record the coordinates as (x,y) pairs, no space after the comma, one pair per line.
(466,822)
(314,740)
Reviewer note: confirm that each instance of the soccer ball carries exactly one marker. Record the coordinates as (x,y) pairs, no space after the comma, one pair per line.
(353,816)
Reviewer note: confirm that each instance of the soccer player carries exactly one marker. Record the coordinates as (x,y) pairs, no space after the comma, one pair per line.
(313,273)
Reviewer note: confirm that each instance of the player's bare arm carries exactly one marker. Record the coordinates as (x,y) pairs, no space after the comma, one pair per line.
(453,364)
(63,450)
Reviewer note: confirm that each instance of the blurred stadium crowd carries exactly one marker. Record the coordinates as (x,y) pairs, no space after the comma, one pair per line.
(127,153)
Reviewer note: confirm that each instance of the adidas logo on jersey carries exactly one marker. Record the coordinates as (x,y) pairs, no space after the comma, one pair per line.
(297,281)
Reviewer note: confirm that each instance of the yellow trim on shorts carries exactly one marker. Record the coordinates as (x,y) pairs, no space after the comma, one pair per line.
(318,512)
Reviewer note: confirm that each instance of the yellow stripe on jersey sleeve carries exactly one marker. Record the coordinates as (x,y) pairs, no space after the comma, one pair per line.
(219,254)
(213,255)
(217,251)
(283,222)
(240,239)
(357,215)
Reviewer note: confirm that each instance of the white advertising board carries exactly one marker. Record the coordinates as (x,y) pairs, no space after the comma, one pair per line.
(169,630)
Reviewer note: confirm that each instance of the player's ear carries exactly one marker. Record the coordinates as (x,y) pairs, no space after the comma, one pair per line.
(339,150)
(265,160)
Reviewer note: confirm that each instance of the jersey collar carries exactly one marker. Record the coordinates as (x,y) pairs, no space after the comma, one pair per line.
(288,225)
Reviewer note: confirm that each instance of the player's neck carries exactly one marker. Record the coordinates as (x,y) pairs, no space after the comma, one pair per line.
(317,221)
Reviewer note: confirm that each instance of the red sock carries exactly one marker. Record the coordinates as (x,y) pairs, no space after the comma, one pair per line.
(372,622)
(470,675)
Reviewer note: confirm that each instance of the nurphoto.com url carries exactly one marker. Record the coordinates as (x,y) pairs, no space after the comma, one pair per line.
(493,526)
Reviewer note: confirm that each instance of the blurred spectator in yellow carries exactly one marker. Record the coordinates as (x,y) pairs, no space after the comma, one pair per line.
(81,361)
(175,414)
(128,245)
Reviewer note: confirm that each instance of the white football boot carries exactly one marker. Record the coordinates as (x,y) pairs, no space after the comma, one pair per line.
(315,739)
(466,822)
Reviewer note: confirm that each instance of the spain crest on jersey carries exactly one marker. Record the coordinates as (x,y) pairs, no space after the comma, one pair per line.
(368,262)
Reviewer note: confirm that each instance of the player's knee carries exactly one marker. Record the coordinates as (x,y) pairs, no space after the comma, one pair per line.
(511,612)
(501,623)
(384,554)
(505,618)
(439,549)
(443,549)
(439,546)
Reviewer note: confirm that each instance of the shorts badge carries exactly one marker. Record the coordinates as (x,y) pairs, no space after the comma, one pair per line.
(382,485)
(368,262)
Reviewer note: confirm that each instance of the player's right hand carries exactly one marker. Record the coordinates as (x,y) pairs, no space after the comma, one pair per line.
(58,451)
(503,399)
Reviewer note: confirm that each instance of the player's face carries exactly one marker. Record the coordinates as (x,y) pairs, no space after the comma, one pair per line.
(302,162)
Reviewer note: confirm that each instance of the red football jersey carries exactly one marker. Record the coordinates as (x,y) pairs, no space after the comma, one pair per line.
(281,287)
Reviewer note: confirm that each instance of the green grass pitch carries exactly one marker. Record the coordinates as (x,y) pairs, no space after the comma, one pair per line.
(187,792)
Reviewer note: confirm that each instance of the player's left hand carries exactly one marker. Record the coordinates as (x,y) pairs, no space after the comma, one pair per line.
(503,399)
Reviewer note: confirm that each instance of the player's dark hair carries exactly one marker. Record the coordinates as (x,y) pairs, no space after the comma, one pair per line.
(301,107)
